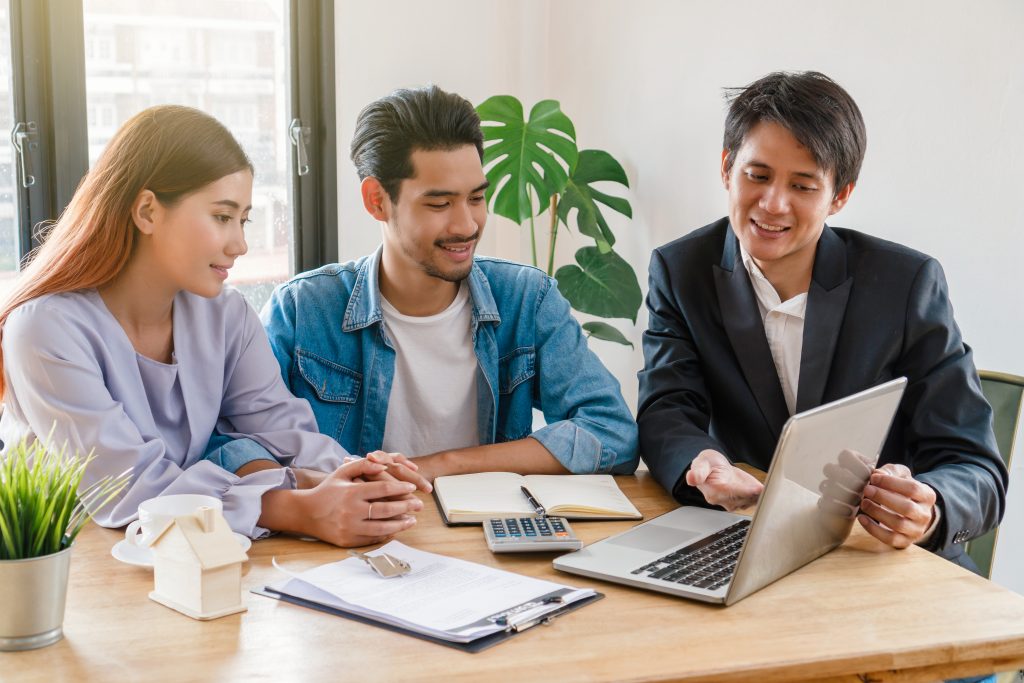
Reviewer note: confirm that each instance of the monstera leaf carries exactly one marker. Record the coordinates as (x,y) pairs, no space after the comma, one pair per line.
(603,284)
(604,331)
(528,153)
(594,166)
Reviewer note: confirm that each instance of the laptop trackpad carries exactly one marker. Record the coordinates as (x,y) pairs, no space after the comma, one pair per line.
(654,537)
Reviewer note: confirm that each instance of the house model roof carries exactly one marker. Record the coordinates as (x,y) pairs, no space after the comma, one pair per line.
(209,537)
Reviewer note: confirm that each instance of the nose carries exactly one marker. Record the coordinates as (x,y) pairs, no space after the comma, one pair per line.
(236,246)
(464,221)
(775,199)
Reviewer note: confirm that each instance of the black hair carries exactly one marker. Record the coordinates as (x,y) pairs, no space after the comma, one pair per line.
(814,108)
(390,129)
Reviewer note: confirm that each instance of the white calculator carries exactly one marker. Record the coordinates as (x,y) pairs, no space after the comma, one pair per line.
(530,534)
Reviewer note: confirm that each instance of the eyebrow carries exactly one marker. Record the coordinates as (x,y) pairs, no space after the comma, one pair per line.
(451,193)
(231,204)
(801,174)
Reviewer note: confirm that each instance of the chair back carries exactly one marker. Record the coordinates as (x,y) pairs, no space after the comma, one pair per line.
(1004,393)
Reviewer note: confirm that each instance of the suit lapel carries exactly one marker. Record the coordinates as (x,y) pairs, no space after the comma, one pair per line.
(826,308)
(745,330)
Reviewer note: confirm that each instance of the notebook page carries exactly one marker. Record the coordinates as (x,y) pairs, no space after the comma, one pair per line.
(580,493)
(488,492)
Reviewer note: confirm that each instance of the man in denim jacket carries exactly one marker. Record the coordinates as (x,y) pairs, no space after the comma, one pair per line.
(423,349)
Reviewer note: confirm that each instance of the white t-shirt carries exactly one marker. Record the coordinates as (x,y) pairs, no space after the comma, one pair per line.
(433,402)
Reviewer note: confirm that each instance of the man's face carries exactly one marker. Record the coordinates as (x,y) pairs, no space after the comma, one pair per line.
(439,217)
(779,199)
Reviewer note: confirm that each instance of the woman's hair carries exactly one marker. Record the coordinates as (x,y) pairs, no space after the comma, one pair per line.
(168,149)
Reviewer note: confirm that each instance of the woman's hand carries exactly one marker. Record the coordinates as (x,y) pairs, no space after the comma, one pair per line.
(343,509)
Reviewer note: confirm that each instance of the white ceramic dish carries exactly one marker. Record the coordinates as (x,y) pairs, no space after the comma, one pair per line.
(123,551)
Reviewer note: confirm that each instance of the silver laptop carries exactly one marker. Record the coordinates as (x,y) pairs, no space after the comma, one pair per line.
(810,500)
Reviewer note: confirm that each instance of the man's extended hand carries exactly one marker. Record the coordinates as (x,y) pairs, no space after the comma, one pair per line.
(897,509)
(721,482)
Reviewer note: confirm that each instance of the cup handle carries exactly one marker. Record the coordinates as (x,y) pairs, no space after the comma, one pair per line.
(131,534)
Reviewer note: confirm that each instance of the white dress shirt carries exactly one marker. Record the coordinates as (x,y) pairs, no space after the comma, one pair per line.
(783,326)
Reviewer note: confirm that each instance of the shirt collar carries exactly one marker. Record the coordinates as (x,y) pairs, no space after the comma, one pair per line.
(767,297)
(364,307)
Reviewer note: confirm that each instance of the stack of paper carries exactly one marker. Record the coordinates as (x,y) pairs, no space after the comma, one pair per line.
(442,597)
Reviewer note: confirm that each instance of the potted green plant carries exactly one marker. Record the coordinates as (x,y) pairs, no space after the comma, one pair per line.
(534,166)
(41,513)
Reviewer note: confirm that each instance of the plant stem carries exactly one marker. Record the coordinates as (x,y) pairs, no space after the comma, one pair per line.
(533,234)
(553,209)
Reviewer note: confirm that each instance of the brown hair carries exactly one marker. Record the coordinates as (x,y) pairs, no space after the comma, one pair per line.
(168,149)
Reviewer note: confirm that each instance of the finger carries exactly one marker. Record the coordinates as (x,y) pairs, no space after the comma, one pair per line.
(405,474)
(386,509)
(882,534)
(408,462)
(833,491)
(357,468)
(359,541)
(385,527)
(911,488)
(897,502)
(372,490)
(897,523)
(897,470)
(698,473)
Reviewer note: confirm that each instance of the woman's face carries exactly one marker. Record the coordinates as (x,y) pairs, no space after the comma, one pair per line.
(196,241)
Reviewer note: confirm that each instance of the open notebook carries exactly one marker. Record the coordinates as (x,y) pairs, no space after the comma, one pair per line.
(473,498)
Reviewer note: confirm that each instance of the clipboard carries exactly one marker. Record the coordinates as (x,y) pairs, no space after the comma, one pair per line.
(474,646)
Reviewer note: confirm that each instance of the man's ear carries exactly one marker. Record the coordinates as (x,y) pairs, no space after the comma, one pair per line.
(145,210)
(725,169)
(375,198)
(840,199)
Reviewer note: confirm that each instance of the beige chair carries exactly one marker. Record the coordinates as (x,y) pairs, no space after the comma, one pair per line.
(1005,393)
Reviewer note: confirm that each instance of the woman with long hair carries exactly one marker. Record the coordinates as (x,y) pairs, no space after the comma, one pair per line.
(121,339)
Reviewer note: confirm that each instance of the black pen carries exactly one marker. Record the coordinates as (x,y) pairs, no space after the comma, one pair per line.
(537,507)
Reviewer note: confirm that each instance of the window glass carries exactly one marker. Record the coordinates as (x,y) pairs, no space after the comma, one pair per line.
(225,57)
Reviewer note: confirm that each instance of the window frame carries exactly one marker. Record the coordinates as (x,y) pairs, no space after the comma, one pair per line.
(48,82)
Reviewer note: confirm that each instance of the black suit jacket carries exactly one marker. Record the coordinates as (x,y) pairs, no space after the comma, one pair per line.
(875,310)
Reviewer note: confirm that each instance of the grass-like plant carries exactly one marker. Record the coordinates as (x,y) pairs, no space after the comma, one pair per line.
(41,508)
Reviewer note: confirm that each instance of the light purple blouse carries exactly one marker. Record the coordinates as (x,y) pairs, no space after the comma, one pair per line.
(69,366)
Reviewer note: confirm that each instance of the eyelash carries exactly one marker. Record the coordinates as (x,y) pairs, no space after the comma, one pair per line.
(224,219)
(762,178)
(473,200)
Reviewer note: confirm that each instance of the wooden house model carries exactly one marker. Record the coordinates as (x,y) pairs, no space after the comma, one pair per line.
(197,566)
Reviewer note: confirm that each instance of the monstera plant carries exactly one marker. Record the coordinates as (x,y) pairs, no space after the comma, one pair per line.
(534,166)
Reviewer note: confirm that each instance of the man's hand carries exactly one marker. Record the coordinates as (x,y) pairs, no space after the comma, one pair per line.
(401,468)
(897,509)
(721,483)
(347,511)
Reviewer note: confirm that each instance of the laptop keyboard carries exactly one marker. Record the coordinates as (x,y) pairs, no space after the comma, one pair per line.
(709,563)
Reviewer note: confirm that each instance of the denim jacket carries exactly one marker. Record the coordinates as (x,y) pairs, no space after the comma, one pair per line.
(327,331)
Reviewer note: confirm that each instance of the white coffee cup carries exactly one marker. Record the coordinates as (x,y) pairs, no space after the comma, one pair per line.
(156,512)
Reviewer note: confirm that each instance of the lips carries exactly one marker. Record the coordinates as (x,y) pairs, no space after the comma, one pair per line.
(768,230)
(220,270)
(459,251)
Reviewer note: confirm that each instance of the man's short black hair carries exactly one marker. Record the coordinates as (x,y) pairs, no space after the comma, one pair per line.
(389,130)
(814,108)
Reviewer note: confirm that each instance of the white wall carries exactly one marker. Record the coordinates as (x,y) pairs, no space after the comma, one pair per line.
(940,84)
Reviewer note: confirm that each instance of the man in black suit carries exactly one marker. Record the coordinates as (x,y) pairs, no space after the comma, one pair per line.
(769,311)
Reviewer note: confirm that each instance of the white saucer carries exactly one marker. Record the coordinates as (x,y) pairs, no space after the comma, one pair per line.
(123,551)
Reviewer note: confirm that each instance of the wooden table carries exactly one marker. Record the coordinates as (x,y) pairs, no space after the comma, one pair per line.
(861,613)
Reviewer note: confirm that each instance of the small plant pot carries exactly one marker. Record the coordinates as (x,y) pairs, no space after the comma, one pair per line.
(32,597)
